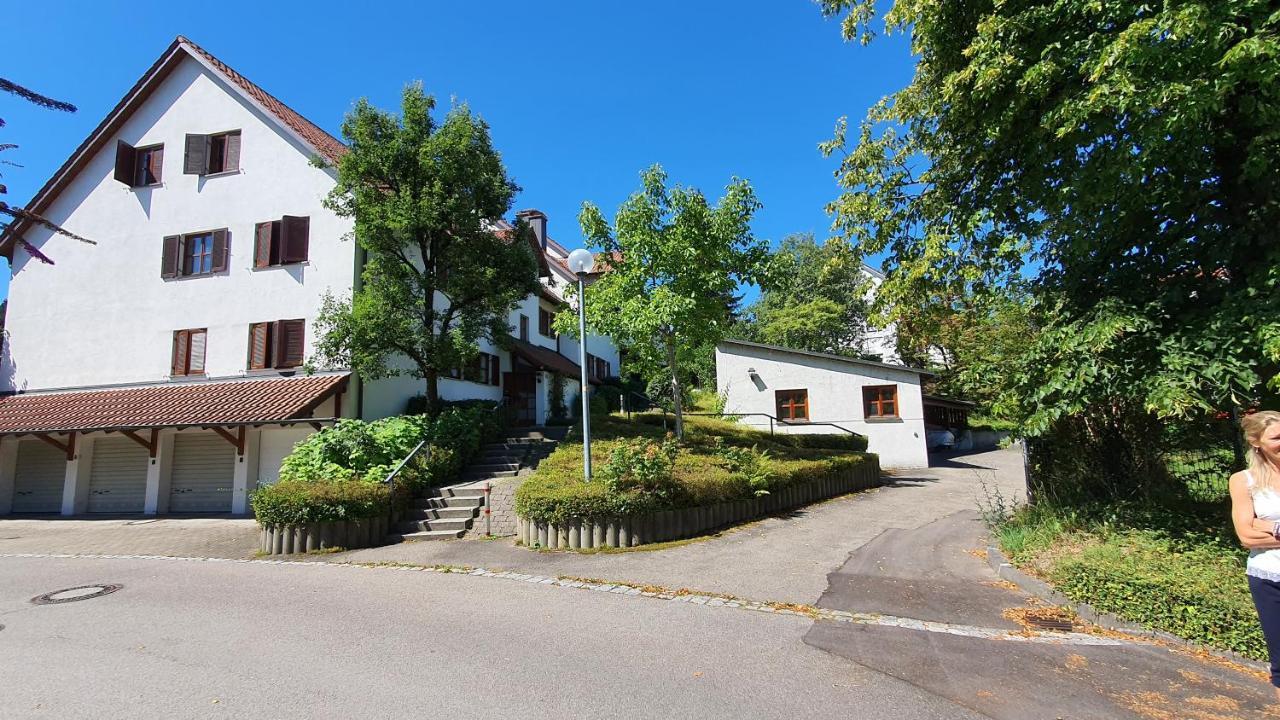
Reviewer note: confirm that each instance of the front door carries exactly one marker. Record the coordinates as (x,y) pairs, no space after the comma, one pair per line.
(519,391)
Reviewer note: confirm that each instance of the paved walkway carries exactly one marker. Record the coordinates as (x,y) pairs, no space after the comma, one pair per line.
(784,558)
(218,537)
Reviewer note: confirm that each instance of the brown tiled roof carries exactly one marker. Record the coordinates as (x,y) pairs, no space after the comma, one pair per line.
(237,402)
(548,359)
(326,145)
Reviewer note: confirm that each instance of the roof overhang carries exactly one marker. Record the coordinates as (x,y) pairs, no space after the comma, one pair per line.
(828,356)
(547,359)
(214,404)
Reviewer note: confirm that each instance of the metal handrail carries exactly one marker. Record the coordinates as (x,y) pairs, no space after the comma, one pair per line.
(772,419)
(391,477)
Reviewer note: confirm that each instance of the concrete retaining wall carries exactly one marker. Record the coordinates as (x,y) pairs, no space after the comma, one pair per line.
(688,522)
(348,534)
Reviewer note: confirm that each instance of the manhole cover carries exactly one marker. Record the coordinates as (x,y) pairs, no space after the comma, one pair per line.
(83,592)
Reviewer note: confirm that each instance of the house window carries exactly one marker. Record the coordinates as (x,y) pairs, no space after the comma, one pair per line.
(524,327)
(211,154)
(201,253)
(188,352)
(278,344)
(880,401)
(485,368)
(792,404)
(545,319)
(197,253)
(139,167)
(599,368)
(281,242)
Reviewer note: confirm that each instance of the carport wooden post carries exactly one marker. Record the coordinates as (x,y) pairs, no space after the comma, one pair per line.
(75,489)
(245,479)
(159,473)
(8,472)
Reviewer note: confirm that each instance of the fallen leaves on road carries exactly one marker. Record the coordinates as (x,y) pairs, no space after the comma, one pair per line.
(1077,662)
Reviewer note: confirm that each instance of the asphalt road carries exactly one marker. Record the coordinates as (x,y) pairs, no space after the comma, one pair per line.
(195,639)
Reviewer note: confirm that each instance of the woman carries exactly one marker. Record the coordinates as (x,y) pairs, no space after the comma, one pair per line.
(1255,512)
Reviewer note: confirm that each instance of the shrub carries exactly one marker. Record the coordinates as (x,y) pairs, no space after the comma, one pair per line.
(293,502)
(609,397)
(642,466)
(748,465)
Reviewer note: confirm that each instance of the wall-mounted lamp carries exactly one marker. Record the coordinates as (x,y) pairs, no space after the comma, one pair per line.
(752,375)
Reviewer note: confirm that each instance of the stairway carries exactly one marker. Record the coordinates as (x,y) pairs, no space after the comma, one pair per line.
(448,512)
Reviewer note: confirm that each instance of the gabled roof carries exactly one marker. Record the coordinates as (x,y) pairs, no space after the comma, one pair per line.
(826,356)
(305,131)
(203,404)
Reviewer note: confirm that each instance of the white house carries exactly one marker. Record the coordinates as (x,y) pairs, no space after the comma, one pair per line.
(159,369)
(798,391)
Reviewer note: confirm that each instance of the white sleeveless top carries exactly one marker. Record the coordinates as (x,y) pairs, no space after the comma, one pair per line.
(1264,564)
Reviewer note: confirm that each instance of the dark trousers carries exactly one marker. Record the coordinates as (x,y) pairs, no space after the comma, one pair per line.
(1266,597)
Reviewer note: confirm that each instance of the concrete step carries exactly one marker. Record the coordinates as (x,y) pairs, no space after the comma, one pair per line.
(439,513)
(425,535)
(472,476)
(413,526)
(450,502)
(492,467)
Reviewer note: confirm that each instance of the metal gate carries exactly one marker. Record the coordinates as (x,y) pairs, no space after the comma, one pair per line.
(38,482)
(203,470)
(118,478)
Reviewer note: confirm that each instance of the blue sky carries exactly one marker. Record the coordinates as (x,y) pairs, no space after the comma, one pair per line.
(580,96)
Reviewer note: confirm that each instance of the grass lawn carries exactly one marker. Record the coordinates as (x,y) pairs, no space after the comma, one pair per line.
(702,474)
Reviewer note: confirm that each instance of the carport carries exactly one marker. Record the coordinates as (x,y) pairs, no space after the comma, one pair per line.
(165,448)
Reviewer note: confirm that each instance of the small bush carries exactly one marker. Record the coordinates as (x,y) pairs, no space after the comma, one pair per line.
(294,502)
(642,466)
(748,465)
(609,397)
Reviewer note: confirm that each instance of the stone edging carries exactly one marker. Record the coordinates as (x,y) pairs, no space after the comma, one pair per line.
(1043,590)
(348,534)
(579,534)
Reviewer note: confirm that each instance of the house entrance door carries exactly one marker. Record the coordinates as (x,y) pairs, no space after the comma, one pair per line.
(519,391)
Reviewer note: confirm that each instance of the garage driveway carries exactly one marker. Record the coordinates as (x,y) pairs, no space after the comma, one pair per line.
(216,537)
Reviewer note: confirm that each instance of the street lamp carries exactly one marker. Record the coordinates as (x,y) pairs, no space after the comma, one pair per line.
(581,262)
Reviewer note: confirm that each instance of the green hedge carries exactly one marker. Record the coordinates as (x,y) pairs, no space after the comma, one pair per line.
(704,473)
(742,433)
(293,502)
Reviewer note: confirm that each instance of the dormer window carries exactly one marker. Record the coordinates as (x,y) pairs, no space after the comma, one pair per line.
(212,154)
(139,166)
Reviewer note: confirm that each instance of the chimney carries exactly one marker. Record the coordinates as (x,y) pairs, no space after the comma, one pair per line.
(538,221)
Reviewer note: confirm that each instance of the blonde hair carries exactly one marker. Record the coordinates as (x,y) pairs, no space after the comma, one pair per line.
(1252,427)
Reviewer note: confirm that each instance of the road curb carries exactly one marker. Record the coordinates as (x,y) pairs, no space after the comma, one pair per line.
(1043,590)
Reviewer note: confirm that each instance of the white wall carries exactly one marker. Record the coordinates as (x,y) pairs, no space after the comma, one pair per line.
(103,314)
(835,395)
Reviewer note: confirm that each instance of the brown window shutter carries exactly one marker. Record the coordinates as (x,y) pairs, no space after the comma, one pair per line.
(289,343)
(221,250)
(495,364)
(233,153)
(179,365)
(196,161)
(259,346)
(156,159)
(262,244)
(170,256)
(126,157)
(294,240)
(195,352)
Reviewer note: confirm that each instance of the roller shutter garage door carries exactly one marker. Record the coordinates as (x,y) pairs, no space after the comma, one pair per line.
(203,470)
(118,478)
(41,472)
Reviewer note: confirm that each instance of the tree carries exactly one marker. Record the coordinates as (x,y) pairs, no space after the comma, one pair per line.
(1123,157)
(438,275)
(22,214)
(819,301)
(671,258)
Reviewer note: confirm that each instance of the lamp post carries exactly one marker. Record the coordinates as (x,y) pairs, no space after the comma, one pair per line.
(581,262)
